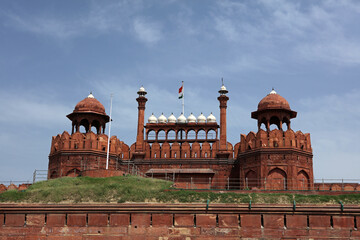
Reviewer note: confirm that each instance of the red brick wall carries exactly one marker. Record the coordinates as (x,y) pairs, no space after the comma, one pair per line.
(175,226)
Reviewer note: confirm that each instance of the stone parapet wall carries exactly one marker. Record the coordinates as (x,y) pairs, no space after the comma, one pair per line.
(178,221)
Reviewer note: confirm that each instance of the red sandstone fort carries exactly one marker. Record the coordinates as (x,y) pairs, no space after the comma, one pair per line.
(192,152)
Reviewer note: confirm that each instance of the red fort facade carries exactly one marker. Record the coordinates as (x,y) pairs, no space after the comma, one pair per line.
(193,152)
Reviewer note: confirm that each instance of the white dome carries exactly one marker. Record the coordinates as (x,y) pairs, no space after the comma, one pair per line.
(211,118)
(172,118)
(272,92)
(181,119)
(152,119)
(201,118)
(191,118)
(162,119)
(223,88)
(141,89)
(90,95)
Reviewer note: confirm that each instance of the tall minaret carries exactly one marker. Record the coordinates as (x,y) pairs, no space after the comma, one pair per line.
(139,145)
(223,105)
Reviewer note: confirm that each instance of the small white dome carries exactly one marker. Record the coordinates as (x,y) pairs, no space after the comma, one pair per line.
(223,88)
(141,89)
(152,119)
(272,92)
(91,95)
(201,118)
(181,119)
(191,118)
(172,118)
(162,119)
(211,118)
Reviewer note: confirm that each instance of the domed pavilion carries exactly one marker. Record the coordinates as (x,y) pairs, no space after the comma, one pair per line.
(89,112)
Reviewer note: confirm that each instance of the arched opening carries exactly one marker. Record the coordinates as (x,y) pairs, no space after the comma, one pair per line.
(263,124)
(84,126)
(211,134)
(201,134)
(303,180)
(276,180)
(181,135)
(274,121)
(82,129)
(73,173)
(171,135)
(285,124)
(94,129)
(191,135)
(151,135)
(95,126)
(251,179)
(161,135)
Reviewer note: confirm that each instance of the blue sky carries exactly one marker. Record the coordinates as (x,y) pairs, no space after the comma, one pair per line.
(53,53)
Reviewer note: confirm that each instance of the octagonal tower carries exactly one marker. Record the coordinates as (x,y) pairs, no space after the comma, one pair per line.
(83,152)
(275,159)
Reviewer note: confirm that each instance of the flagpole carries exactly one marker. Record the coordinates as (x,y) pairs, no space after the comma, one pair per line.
(108,145)
(183,99)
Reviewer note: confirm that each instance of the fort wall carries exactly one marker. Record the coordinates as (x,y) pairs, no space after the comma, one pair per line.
(178,221)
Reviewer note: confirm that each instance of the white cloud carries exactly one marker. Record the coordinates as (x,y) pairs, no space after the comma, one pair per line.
(312,32)
(147,31)
(101,18)
(227,28)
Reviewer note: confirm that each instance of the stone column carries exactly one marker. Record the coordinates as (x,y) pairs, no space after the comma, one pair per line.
(139,145)
(223,105)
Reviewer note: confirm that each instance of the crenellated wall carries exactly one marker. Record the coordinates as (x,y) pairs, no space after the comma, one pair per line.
(72,154)
(87,141)
(277,160)
(274,139)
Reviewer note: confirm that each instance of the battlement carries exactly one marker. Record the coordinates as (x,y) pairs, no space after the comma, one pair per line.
(275,139)
(88,142)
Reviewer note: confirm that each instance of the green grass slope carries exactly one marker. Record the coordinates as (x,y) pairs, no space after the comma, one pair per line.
(135,189)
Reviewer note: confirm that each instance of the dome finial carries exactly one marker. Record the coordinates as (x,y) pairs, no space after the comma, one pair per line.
(211,118)
(162,118)
(191,118)
(91,95)
(142,92)
(201,118)
(223,90)
(273,91)
(171,118)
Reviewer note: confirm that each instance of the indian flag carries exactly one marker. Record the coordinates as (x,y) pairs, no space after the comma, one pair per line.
(181,91)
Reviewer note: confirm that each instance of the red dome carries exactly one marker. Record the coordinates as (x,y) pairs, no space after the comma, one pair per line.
(273,101)
(90,104)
